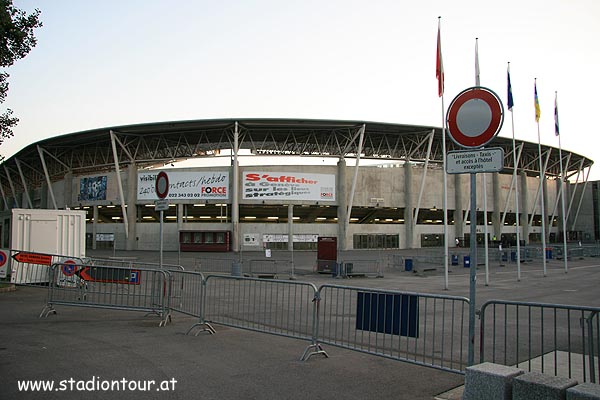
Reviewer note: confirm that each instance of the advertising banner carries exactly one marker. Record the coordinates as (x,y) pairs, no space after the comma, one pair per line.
(288,186)
(92,188)
(186,185)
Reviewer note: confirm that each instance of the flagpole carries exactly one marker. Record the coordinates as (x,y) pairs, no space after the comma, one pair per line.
(562,183)
(440,74)
(483,181)
(542,177)
(515,161)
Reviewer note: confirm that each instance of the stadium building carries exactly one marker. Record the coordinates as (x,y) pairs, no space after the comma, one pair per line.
(368,185)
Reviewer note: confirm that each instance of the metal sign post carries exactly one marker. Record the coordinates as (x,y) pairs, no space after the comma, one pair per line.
(162,190)
(474,118)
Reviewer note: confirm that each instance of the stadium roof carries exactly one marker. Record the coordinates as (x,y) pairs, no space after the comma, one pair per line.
(162,142)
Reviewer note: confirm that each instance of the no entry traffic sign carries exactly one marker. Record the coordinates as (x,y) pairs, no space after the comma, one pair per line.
(475,117)
(162,185)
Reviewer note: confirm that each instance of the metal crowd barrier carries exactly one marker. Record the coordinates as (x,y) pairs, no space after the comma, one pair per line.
(284,308)
(549,338)
(263,268)
(186,289)
(370,268)
(215,265)
(422,329)
(85,285)
(124,262)
(29,268)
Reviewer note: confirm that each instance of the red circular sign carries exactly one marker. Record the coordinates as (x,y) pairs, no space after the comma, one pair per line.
(475,117)
(162,185)
(69,268)
(3,258)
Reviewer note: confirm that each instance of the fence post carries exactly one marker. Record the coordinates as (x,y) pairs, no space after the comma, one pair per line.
(315,347)
(590,323)
(166,297)
(202,321)
(482,332)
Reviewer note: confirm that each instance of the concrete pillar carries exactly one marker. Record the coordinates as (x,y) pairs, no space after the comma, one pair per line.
(496,221)
(68,194)
(290,227)
(342,197)
(546,208)
(458,215)
(408,205)
(131,206)
(559,209)
(94,227)
(179,216)
(44,196)
(524,208)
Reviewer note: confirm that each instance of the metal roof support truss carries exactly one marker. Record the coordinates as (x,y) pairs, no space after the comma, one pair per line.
(48,181)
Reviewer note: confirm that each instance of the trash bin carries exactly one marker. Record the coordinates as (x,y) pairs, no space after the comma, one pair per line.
(236,269)
(548,253)
(408,264)
(467,261)
(513,256)
(504,256)
(335,269)
(454,259)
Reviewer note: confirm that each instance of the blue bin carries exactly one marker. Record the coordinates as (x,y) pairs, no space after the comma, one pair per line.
(504,256)
(408,264)
(335,267)
(548,253)
(454,259)
(467,261)
(513,256)
(236,269)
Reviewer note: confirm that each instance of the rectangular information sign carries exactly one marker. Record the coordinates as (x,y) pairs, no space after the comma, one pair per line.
(475,161)
(395,314)
(161,205)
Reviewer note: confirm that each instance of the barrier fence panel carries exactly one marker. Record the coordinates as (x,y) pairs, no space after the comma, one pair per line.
(186,288)
(216,265)
(370,268)
(263,268)
(285,308)
(125,262)
(109,287)
(553,339)
(422,329)
(29,268)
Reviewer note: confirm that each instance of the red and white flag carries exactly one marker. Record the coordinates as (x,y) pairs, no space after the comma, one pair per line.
(439,64)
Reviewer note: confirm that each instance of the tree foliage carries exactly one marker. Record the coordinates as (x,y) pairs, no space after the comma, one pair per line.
(16,41)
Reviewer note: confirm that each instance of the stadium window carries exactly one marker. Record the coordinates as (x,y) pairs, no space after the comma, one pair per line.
(375,241)
(432,240)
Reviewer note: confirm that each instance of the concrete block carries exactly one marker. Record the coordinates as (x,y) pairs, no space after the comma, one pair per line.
(584,391)
(537,386)
(489,381)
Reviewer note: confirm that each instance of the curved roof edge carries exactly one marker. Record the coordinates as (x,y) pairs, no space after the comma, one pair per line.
(151,143)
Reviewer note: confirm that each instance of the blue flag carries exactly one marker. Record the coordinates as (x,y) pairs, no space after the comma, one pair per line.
(510,101)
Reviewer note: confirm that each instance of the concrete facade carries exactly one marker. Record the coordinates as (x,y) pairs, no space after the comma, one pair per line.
(395,190)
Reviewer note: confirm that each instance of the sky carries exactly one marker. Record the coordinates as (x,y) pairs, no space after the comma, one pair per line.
(119,62)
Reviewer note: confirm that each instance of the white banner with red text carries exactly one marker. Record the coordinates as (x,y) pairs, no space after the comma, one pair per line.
(288,186)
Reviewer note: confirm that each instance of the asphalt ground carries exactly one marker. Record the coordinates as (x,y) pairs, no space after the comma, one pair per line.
(81,347)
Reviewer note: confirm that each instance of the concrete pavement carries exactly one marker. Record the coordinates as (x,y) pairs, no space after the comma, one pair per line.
(95,345)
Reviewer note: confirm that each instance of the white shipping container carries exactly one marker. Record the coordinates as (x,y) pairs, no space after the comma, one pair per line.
(55,232)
